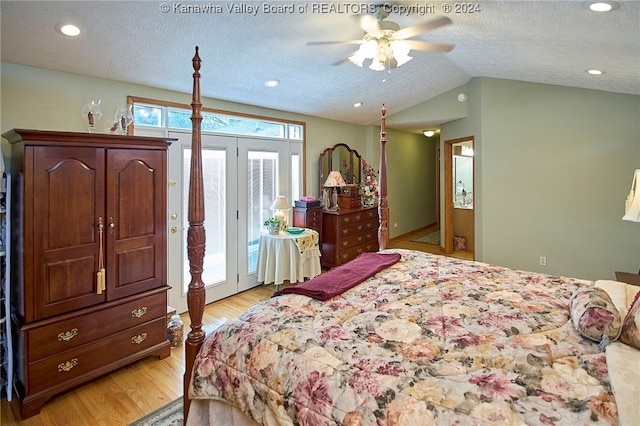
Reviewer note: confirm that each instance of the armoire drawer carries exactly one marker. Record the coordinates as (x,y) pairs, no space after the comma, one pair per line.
(74,363)
(73,332)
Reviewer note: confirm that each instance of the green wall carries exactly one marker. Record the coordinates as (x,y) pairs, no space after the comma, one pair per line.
(554,165)
(35,98)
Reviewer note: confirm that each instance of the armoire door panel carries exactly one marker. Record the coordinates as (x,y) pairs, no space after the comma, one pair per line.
(136,266)
(69,196)
(136,195)
(69,183)
(68,280)
(136,207)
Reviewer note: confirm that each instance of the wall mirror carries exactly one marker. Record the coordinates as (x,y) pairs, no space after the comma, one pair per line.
(343,159)
(463,175)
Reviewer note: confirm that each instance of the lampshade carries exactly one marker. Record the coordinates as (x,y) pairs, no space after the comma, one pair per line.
(280,203)
(632,205)
(334,179)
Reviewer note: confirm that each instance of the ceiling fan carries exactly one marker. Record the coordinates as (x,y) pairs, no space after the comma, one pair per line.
(386,44)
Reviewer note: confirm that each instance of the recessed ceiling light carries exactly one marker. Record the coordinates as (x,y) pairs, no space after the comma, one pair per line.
(68,30)
(602,6)
(595,72)
(358,104)
(271,83)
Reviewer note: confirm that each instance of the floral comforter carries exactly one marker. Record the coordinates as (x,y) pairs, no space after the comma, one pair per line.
(429,340)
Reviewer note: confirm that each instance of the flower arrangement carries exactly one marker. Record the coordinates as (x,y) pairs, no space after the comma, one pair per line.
(369,183)
(272,220)
(274,225)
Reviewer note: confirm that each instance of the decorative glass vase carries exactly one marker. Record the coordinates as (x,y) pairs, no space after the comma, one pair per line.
(122,119)
(92,113)
(273,228)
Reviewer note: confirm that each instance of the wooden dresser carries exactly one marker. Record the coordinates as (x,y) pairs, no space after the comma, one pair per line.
(85,202)
(308,217)
(346,233)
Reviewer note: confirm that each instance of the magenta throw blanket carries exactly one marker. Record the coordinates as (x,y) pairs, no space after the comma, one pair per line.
(343,277)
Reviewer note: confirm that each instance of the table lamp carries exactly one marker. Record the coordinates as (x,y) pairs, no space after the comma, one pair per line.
(334,180)
(281,209)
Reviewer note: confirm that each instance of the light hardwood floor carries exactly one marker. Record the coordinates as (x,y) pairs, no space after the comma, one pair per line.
(134,391)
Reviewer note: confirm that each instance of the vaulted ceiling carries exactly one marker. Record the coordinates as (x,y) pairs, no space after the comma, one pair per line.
(152,42)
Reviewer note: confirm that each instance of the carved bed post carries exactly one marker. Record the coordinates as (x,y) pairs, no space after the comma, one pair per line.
(383,206)
(195,237)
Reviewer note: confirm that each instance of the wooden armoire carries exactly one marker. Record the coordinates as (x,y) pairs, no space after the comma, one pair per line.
(89,281)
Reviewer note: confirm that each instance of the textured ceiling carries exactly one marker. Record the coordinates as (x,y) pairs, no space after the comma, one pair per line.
(551,42)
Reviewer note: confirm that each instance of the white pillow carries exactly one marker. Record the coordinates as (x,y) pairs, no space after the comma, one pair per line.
(621,294)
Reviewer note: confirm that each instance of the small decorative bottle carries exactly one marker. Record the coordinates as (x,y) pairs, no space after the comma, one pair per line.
(174,331)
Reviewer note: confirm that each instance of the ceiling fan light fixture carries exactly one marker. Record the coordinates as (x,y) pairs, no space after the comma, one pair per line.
(367,50)
(376,65)
(400,52)
(357,59)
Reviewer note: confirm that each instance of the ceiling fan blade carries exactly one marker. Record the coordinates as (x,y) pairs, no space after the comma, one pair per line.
(369,24)
(312,43)
(340,62)
(414,30)
(427,45)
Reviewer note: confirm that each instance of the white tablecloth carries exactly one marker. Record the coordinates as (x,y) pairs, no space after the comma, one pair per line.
(286,256)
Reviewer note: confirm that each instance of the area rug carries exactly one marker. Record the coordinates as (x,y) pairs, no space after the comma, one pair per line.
(168,415)
(432,237)
(171,414)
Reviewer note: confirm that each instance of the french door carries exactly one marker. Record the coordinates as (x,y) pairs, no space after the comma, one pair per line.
(242,177)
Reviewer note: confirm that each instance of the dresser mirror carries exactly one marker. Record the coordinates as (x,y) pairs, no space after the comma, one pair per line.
(342,158)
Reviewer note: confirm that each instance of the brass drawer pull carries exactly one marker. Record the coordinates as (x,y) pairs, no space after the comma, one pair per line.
(66,366)
(139,338)
(139,312)
(67,335)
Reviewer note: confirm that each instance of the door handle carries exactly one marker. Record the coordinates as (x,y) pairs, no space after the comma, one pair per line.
(175,229)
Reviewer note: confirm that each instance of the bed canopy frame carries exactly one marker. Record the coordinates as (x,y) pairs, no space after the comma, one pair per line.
(196,233)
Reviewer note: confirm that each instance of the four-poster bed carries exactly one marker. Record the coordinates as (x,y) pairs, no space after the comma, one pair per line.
(425,340)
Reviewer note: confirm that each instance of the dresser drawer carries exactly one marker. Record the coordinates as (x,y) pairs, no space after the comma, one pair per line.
(370,224)
(352,229)
(73,332)
(77,362)
(369,214)
(314,214)
(346,254)
(351,240)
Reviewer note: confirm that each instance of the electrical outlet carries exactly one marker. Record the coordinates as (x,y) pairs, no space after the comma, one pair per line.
(543,260)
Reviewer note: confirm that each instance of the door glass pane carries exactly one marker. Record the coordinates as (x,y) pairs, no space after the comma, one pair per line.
(262,169)
(215,187)
(296,177)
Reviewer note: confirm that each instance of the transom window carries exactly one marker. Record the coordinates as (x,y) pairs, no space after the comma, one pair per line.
(169,117)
